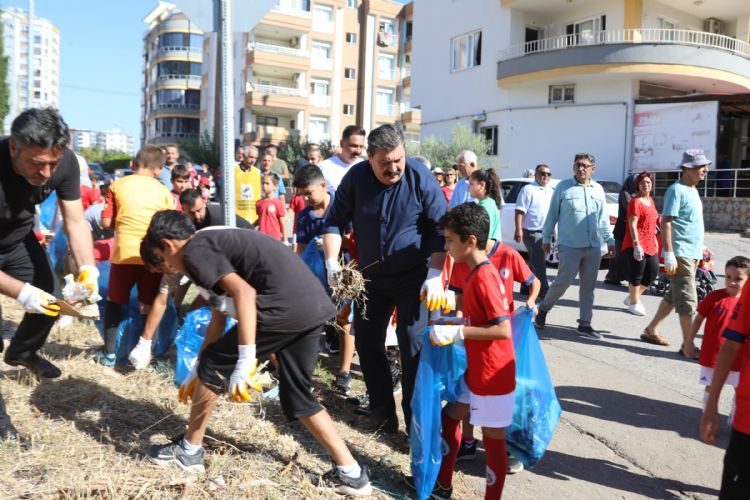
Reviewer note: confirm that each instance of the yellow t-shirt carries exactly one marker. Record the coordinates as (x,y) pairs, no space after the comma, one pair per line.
(132,201)
(246,192)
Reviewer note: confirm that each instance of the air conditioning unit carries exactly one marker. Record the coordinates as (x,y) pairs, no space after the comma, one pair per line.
(295,78)
(294,41)
(713,25)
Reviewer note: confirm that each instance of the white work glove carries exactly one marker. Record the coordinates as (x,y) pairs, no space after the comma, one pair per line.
(243,374)
(36,301)
(638,253)
(450,302)
(333,268)
(88,276)
(223,303)
(187,387)
(433,291)
(670,262)
(442,335)
(140,356)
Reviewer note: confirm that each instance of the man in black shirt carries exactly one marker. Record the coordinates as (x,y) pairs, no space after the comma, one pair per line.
(204,214)
(34,162)
(280,308)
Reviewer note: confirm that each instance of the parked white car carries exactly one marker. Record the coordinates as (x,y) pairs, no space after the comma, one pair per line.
(511,188)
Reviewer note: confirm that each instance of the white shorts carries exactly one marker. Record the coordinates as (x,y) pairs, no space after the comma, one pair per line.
(487,411)
(707,375)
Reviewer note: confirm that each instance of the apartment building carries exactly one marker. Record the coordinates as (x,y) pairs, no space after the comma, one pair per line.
(544,79)
(108,140)
(33,62)
(310,68)
(173,57)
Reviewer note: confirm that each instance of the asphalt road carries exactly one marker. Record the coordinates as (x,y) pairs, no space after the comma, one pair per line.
(631,410)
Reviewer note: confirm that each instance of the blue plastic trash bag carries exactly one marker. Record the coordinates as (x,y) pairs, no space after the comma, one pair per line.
(315,260)
(131,326)
(536,411)
(438,375)
(47,211)
(58,249)
(189,339)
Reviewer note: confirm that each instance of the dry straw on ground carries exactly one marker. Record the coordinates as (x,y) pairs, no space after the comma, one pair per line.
(349,287)
(85,433)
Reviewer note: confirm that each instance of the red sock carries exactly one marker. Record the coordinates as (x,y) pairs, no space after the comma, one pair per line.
(452,436)
(497,467)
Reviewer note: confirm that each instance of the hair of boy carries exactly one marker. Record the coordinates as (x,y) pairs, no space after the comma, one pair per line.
(585,156)
(272,176)
(270,148)
(491,183)
(541,165)
(94,179)
(150,259)
(468,219)
(385,138)
(168,225)
(189,196)
(307,176)
(351,130)
(180,172)
(150,157)
(42,127)
(740,262)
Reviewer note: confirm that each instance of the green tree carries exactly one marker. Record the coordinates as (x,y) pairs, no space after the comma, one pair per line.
(4,92)
(442,153)
(204,150)
(109,160)
(295,147)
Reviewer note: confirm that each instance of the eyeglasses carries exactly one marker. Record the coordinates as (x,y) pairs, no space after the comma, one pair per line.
(583,165)
(544,174)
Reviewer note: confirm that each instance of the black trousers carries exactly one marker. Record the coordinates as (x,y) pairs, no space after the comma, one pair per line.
(383,294)
(27,261)
(735,480)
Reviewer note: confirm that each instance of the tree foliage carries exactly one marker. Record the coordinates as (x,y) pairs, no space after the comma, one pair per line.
(204,150)
(4,90)
(109,160)
(443,154)
(295,147)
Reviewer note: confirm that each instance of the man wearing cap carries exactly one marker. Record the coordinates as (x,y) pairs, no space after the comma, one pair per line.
(682,245)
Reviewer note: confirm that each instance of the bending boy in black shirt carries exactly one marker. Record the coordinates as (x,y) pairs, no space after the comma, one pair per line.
(280,307)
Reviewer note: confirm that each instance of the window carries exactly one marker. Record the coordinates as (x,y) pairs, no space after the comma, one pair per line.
(352,4)
(351,38)
(322,19)
(409,28)
(318,131)
(585,32)
(466,51)
(349,109)
(321,50)
(490,133)
(386,66)
(349,73)
(266,121)
(562,94)
(385,102)
(319,87)
(386,32)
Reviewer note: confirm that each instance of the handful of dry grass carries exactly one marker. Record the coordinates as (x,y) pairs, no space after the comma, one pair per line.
(349,287)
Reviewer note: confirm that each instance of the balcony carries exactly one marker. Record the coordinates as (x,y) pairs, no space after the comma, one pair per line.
(175,109)
(196,79)
(710,62)
(322,64)
(268,133)
(178,53)
(320,101)
(406,82)
(411,117)
(276,49)
(276,96)
(277,56)
(387,73)
(288,16)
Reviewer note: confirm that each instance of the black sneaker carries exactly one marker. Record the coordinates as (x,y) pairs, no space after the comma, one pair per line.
(438,492)
(37,364)
(360,400)
(467,451)
(395,371)
(7,431)
(587,331)
(172,455)
(345,485)
(514,465)
(343,383)
(541,319)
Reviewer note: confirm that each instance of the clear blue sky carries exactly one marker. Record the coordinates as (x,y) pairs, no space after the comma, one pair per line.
(101,60)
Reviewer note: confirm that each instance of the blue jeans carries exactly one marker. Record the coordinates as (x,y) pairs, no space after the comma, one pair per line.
(584,262)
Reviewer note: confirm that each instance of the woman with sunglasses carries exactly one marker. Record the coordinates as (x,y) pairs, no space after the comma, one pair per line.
(450,178)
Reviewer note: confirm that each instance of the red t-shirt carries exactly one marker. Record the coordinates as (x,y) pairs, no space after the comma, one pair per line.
(510,266)
(90,196)
(447,192)
(646,226)
(717,308)
(491,364)
(297,205)
(270,212)
(177,204)
(738,330)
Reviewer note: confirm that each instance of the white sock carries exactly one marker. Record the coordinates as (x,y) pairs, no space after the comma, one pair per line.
(190,449)
(705,400)
(352,471)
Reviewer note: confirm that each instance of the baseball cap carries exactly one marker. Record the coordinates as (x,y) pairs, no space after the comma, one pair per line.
(437,170)
(694,158)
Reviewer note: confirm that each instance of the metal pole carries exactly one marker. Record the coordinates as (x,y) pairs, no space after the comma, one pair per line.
(30,57)
(227,111)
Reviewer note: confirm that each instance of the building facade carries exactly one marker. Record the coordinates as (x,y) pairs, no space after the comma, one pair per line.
(109,140)
(311,68)
(545,79)
(33,62)
(173,57)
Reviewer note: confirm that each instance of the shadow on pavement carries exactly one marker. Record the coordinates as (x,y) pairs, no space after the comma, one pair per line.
(566,467)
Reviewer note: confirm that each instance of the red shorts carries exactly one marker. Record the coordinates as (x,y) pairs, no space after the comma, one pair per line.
(122,277)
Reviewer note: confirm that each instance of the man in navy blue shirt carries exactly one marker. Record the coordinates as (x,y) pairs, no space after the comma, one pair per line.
(394,205)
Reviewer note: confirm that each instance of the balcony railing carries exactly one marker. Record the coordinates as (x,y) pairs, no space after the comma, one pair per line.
(292,8)
(164,78)
(635,36)
(387,73)
(276,49)
(274,89)
(386,109)
(324,64)
(320,101)
(725,182)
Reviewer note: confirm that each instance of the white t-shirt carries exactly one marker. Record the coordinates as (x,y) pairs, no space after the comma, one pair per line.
(533,201)
(334,170)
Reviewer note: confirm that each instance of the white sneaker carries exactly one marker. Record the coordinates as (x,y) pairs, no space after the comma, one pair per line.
(140,356)
(637,309)
(627,300)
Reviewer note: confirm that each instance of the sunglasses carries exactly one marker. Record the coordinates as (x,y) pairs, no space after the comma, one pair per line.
(544,174)
(582,165)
